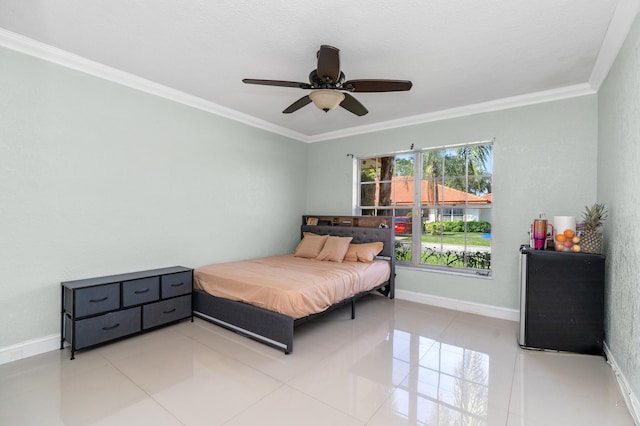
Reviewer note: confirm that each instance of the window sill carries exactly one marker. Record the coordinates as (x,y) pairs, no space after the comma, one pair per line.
(443,271)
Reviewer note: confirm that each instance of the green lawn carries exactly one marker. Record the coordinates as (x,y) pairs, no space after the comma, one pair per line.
(473,238)
(449,257)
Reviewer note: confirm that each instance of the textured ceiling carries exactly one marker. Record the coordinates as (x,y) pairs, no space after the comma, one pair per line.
(457,53)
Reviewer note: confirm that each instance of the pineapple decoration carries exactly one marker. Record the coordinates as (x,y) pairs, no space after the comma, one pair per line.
(591,236)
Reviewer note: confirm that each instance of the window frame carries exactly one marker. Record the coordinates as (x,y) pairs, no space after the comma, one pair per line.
(417,209)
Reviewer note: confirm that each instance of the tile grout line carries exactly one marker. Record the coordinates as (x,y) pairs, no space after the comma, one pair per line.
(150,396)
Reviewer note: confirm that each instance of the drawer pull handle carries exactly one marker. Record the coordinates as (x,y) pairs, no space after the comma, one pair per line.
(141,291)
(99,300)
(177,284)
(112,327)
(169,311)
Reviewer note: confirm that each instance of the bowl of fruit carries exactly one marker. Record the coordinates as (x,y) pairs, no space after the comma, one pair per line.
(567,241)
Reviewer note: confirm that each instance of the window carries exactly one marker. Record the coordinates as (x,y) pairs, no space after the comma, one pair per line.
(441,200)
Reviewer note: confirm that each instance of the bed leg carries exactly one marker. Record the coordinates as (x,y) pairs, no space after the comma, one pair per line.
(353,309)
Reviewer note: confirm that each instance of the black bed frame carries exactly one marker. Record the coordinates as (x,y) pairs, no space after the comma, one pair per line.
(275,329)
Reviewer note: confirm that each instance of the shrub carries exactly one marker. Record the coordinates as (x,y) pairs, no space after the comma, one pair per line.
(479,226)
(437,228)
(434,228)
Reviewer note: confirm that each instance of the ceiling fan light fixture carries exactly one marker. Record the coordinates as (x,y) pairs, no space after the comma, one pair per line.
(326,99)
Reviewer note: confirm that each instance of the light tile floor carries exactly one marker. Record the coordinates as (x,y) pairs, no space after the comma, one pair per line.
(397,363)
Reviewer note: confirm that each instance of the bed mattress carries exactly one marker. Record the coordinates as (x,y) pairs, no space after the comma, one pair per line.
(290,285)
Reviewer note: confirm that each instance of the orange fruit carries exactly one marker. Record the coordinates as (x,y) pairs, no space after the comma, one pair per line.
(561,238)
(569,233)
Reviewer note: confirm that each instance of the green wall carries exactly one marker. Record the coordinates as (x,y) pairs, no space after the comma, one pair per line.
(98,179)
(545,159)
(618,183)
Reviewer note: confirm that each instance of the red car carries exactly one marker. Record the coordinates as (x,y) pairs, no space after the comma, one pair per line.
(403,225)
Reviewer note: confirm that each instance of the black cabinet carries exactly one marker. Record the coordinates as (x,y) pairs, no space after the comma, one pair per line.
(562,301)
(97,310)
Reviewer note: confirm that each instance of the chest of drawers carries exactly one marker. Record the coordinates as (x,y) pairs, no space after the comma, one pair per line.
(101,309)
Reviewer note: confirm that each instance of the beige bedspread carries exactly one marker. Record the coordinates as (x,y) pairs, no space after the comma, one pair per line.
(292,286)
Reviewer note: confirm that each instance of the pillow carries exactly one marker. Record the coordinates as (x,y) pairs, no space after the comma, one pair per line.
(311,245)
(363,252)
(334,249)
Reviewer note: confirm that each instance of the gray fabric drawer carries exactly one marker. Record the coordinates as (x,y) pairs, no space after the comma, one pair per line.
(100,309)
(140,291)
(176,284)
(94,300)
(105,327)
(166,311)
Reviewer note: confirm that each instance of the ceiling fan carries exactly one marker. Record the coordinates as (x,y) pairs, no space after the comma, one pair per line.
(329,88)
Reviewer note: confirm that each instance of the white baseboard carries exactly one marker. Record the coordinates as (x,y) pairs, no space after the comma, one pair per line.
(52,342)
(460,305)
(29,348)
(629,397)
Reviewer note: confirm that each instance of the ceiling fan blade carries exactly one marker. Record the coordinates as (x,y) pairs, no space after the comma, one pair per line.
(281,83)
(351,104)
(328,63)
(305,100)
(377,85)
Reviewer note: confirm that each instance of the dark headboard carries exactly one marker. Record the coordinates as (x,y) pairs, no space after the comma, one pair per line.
(364,235)
(359,235)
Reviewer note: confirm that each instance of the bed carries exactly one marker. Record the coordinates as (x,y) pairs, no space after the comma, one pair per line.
(274,325)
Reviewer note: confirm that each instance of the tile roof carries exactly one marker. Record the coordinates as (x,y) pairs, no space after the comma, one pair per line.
(402,190)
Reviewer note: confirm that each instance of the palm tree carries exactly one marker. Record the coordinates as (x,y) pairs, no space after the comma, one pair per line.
(386,175)
(455,165)
(477,160)
(478,156)
(432,168)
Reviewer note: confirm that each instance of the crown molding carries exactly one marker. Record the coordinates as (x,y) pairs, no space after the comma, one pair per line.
(614,38)
(617,32)
(494,105)
(75,62)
